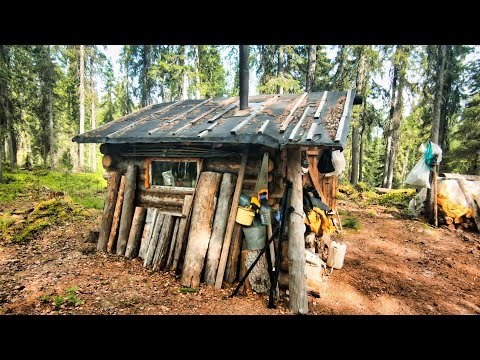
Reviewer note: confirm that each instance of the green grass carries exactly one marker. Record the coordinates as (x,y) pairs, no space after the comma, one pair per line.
(188,290)
(87,189)
(351,223)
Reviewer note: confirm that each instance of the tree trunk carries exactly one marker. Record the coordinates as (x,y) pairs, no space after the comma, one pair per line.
(431,200)
(231,221)
(219,225)
(128,208)
(183,82)
(135,233)
(1,151)
(50,111)
(82,106)
(356,141)
(280,69)
(296,241)
(116,216)
(355,155)
(200,228)
(108,210)
(396,121)
(93,146)
(388,133)
(312,62)
(360,156)
(197,72)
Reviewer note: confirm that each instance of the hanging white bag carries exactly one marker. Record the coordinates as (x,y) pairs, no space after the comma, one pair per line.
(338,161)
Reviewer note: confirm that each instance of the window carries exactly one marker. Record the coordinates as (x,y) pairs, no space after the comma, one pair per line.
(173,172)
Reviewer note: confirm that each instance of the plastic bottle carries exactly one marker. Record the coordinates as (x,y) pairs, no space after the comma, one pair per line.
(336,255)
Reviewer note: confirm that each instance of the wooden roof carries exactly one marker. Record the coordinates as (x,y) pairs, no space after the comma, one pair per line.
(308,119)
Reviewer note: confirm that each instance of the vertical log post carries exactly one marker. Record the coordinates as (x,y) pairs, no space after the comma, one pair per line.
(231,221)
(147,231)
(296,242)
(128,208)
(116,216)
(219,225)
(133,243)
(108,210)
(200,228)
(182,227)
(234,254)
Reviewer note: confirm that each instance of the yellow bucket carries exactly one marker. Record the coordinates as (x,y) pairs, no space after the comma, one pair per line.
(245,216)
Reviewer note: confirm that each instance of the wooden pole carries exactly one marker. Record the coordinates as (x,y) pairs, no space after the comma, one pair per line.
(200,228)
(135,233)
(108,210)
(231,221)
(172,244)
(219,225)
(128,208)
(296,242)
(182,227)
(116,216)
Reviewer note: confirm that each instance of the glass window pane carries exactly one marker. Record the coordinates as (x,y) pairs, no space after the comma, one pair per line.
(174,173)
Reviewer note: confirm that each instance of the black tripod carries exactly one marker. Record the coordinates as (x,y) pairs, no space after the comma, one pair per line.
(279,229)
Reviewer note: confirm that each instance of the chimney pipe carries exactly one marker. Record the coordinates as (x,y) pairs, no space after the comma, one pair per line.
(243,67)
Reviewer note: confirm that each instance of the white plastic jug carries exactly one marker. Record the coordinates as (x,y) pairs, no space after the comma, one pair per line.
(336,255)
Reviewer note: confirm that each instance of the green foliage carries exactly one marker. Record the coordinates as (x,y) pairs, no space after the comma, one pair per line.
(84,188)
(58,300)
(65,161)
(351,222)
(71,296)
(45,299)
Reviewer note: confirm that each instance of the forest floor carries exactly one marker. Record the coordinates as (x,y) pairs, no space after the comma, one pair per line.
(393,265)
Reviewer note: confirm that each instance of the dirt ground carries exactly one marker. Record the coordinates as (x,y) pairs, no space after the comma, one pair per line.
(392,266)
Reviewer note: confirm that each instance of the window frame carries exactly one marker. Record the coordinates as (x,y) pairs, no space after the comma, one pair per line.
(148,171)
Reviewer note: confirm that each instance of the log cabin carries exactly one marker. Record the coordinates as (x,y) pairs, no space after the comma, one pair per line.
(176,172)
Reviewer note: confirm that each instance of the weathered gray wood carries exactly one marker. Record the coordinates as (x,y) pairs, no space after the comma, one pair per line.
(258,277)
(186,212)
(219,225)
(147,231)
(128,208)
(163,238)
(168,265)
(108,210)
(116,216)
(296,243)
(471,201)
(145,197)
(231,221)
(289,118)
(152,246)
(300,122)
(200,228)
(341,124)
(133,243)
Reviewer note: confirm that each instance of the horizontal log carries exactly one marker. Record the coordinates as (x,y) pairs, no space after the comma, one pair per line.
(168,190)
(162,199)
(460,176)
(313,286)
(226,165)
